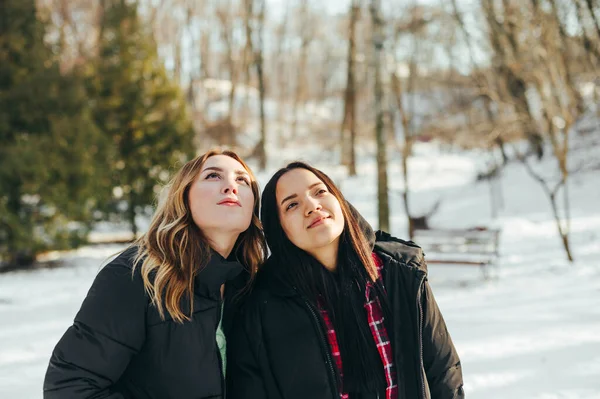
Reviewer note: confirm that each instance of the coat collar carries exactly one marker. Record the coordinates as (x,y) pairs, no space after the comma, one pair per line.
(217,272)
(269,280)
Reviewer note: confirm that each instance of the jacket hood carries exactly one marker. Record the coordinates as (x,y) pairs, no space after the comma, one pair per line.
(406,251)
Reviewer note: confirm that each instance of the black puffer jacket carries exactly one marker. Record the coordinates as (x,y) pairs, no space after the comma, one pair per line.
(119,348)
(279,348)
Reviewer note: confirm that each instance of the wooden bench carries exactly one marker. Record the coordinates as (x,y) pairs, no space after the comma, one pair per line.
(477,246)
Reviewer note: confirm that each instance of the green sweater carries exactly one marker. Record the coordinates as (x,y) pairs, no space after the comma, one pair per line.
(221,342)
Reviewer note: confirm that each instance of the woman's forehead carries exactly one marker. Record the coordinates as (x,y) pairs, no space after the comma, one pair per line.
(224,162)
(295,181)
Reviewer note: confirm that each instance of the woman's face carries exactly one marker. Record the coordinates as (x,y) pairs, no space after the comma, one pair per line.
(221,198)
(310,215)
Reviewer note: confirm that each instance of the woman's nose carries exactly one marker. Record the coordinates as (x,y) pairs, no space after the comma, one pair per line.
(230,187)
(312,205)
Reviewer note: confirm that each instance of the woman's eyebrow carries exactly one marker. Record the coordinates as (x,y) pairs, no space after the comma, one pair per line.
(289,197)
(215,168)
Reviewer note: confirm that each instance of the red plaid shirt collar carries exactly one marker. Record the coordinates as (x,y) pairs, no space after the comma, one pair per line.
(380,335)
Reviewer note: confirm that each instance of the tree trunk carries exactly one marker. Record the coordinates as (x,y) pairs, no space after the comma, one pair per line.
(347,147)
(205,50)
(464,30)
(406,149)
(178,57)
(591,46)
(500,144)
(551,194)
(255,52)
(102,5)
(563,234)
(300,92)
(560,150)
(131,214)
(564,57)
(262,153)
(282,82)
(592,10)
(226,26)
(13,206)
(382,184)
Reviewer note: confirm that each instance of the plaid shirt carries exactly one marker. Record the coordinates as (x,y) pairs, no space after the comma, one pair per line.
(384,346)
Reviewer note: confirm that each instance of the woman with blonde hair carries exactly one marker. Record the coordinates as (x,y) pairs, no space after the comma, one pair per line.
(150,324)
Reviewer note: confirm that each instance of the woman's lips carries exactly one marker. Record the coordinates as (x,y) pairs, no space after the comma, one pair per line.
(318,222)
(229,202)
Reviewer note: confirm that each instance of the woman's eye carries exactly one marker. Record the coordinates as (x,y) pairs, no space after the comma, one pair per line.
(290,206)
(321,191)
(212,175)
(244,179)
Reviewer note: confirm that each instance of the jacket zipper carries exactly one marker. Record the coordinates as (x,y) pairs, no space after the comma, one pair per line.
(422,366)
(324,346)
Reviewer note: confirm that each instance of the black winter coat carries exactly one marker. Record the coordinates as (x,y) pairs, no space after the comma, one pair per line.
(279,350)
(119,348)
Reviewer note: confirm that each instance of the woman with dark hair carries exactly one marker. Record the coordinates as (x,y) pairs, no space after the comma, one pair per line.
(338,311)
(154,321)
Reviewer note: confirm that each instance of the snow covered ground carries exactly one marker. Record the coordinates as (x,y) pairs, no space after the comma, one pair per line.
(531,331)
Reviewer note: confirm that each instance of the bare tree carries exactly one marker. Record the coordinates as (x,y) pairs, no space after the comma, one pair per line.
(592,10)
(408,136)
(224,14)
(480,80)
(551,189)
(380,136)
(281,34)
(306,38)
(558,114)
(254,37)
(530,52)
(348,131)
(205,50)
(409,34)
(506,52)
(565,57)
(590,45)
(262,152)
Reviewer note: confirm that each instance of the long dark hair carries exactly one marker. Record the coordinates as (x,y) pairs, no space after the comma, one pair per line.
(355,269)
(353,242)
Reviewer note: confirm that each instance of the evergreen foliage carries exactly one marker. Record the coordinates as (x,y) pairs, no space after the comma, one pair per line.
(137,107)
(71,139)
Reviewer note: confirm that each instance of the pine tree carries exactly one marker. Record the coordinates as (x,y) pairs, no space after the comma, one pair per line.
(140,110)
(49,144)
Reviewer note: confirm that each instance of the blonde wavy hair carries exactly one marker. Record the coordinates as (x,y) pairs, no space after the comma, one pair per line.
(174,249)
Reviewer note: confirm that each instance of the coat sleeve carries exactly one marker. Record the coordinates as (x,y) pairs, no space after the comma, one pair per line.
(441,361)
(108,331)
(244,377)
